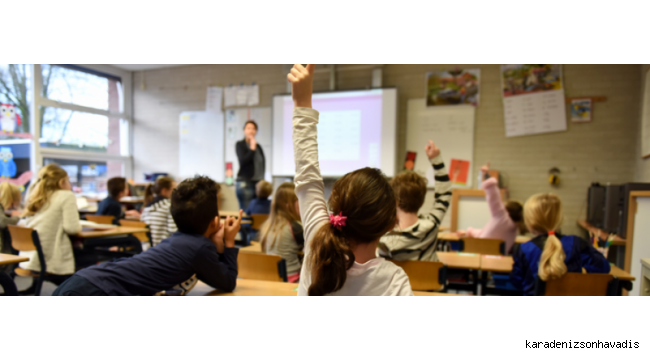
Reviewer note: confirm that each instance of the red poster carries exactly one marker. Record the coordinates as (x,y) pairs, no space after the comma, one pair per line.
(458,171)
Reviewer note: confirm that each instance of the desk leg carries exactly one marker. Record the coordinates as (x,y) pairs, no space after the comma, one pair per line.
(476,281)
(627,285)
(8,284)
(484,281)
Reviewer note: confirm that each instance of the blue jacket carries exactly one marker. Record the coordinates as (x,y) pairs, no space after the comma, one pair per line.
(259,206)
(169,263)
(579,254)
(111,206)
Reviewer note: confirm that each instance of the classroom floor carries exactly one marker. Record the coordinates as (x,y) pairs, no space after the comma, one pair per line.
(22,283)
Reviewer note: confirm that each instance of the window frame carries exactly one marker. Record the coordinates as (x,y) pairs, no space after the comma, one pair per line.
(38,101)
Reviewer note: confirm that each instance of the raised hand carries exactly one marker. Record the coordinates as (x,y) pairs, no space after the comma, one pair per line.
(485,168)
(232,227)
(253,143)
(432,150)
(301,80)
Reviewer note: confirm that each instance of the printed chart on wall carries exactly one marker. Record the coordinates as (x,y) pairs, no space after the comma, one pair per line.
(452,129)
(533,99)
(645,121)
(235,121)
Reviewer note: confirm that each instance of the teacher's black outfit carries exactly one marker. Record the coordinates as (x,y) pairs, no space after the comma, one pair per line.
(251,170)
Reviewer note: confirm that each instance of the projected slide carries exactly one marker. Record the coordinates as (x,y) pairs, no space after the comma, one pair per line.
(356,129)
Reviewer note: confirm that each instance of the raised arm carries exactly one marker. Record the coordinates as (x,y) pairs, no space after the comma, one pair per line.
(443,185)
(309,183)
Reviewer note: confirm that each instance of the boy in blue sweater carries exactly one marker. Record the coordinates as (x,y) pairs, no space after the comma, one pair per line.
(202,246)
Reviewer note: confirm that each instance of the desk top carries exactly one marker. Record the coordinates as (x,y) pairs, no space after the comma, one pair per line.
(132,200)
(119,230)
(448,236)
(458,260)
(254,247)
(621,274)
(501,264)
(618,241)
(247,287)
(224,213)
(6,259)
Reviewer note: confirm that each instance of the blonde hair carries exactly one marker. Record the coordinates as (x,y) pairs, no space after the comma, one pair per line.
(49,181)
(543,214)
(263,189)
(9,193)
(283,212)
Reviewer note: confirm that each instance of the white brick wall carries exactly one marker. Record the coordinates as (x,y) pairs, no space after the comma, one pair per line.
(643,166)
(604,150)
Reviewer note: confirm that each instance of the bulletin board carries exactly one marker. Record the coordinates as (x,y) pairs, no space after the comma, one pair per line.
(450,127)
(235,121)
(645,119)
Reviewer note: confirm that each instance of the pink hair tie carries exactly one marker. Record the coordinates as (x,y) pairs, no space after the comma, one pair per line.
(338,221)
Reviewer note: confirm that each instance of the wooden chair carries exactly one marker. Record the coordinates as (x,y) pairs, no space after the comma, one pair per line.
(26,239)
(258,220)
(143,237)
(424,275)
(100,219)
(577,284)
(261,267)
(483,246)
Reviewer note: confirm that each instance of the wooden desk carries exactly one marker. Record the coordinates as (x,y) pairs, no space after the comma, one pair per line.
(621,274)
(500,264)
(6,259)
(247,287)
(116,231)
(90,211)
(254,247)
(457,260)
(132,200)
(618,241)
(225,213)
(448,236)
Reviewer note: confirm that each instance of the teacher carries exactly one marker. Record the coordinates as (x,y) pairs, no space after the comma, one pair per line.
(252,164)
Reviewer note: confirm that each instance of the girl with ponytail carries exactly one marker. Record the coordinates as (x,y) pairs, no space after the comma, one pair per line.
(340,246)
(550,255)
(156,212)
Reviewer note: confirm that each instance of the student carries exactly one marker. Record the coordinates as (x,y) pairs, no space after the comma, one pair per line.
(340,249)
(415,237)
(551,255)
(261,203)
(51,210)
(156,212)
(202,246)
(9,199)
(506,220)
(111,204)
(282,234)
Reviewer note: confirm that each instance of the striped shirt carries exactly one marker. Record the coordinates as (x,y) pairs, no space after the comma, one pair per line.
(159,218)
(420,240)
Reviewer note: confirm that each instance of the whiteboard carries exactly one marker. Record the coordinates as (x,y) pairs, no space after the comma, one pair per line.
(235,121)
(473,211)
(450,127)
(645,119)
(641,248)
(201,145)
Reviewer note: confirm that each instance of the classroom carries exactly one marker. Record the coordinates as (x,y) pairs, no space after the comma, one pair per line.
(285,180)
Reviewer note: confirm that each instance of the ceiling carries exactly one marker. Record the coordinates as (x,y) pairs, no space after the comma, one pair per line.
(140,67)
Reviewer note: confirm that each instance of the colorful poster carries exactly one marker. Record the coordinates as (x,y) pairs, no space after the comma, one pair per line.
(409,163)
(459,171)
(581,110)
(454,87)
(528,79)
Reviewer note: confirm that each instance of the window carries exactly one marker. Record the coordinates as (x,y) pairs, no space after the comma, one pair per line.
(73,85)
(89,177)
(16,95)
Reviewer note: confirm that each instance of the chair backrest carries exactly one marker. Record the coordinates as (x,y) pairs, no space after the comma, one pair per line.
(100,219)
(261,267)
(577,284)
(21,238)
(258,220)
(483,246)
(424,275)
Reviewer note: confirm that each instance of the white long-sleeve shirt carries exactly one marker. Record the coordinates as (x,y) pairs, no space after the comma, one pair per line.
(58,218)
(375,277)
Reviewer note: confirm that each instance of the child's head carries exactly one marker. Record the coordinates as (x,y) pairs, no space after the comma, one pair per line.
(116,187)
(516,212)
(194,206)
(163,186)
(543,214)
(263,189)
(50,179)
(410,190)
(368,202)
(9,195)
(283,212)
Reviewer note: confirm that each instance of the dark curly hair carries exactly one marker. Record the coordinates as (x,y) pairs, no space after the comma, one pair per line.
(194,204)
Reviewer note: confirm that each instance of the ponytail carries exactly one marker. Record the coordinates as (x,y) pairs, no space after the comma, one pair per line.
(49,181)
(148,194)
(551,263)
(330,258)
